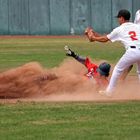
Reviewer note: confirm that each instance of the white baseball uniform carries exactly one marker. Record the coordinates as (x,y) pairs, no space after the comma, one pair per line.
(137,17)
(129,34)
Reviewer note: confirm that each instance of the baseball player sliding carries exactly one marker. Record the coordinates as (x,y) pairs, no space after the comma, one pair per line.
(94,72)
(129,34)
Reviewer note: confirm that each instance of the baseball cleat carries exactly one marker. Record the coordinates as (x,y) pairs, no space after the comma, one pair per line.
(105,93)
(68,51)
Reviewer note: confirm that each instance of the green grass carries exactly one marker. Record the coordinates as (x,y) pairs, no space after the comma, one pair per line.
(64,121)
(50,51)
(70,121)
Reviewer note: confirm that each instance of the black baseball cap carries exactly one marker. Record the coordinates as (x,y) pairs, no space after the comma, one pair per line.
(104,69)
(124,13)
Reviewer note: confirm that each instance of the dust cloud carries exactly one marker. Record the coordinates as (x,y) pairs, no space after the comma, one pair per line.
(32,80)
(63,83)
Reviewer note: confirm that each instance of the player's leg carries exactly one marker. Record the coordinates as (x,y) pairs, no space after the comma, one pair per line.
(125,73)
(138,70)
(124,63)
(71,53)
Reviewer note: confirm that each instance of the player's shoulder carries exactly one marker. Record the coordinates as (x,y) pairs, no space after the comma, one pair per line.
(128,24)
(116,30)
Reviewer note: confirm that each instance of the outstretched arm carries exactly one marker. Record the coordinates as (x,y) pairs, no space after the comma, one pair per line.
(71,53)
(100,38)
(94,36)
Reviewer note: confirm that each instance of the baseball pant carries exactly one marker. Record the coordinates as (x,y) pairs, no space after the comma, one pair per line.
(131,56)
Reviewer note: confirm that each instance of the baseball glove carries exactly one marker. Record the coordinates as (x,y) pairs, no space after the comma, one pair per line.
(89,33)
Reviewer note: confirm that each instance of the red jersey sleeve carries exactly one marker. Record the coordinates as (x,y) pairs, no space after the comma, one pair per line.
(90,66)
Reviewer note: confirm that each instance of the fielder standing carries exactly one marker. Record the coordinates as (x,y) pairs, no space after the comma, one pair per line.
(129,34)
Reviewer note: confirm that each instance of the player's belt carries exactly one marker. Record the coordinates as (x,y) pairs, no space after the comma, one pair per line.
(133,47)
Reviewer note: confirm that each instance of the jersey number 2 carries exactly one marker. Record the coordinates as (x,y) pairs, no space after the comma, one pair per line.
(133,35)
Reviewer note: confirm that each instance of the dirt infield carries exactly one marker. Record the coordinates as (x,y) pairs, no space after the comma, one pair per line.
(66,82)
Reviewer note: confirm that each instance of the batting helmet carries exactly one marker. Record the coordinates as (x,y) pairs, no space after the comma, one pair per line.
(104,69)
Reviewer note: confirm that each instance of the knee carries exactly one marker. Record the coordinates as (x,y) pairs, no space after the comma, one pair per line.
(117,70)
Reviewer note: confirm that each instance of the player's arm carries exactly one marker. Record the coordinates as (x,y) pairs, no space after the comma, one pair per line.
(94,36)
(99,38)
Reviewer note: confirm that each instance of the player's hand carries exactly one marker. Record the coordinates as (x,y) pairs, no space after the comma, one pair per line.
(89,33)
(87,30)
